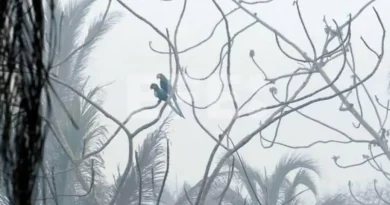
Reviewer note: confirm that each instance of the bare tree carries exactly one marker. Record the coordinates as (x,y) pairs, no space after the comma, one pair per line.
(312,63)
(294,99)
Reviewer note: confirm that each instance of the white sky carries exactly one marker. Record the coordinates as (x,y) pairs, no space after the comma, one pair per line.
(124,56)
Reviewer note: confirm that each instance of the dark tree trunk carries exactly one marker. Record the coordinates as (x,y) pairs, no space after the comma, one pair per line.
(23,76)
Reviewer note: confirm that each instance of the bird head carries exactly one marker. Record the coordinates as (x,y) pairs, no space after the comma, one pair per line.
(159,76)
(153,86)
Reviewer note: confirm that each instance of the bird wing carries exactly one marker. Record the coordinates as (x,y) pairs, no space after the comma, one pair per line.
(167,87)
(164,85)
(177,111)
(160,94)
(156,94)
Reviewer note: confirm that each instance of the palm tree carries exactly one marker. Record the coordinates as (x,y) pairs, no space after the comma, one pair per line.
(70,64)
(275,189)
(152,166)
(91,135)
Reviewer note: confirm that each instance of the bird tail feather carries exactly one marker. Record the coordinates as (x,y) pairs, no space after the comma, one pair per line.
(177,109)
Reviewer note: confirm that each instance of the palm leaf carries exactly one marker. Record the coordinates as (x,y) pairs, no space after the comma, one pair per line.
(95,32)
(234,196)
(287,164)
(69,29)
(86,116)
(214,192)
(276,188)
(151,157)
(245,172)
(301,178)
(75,12)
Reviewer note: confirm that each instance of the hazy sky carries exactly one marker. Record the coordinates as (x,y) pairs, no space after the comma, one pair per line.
(124,56)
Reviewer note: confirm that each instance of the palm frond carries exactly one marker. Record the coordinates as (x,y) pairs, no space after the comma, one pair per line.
(214,192)
(78,10)
(152,166)
(75,13)
(270,189)
(93,133)
(69,22)
(69,29)
(235,196)
(86,117)
(181,195)
(167,198)
(287,164)
(301,178)
(244,172)
(96,30)
(64,40)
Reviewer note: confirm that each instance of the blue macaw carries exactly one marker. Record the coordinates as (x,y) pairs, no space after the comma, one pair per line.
(158,92)
(164,84)
(161,95)
(167,87)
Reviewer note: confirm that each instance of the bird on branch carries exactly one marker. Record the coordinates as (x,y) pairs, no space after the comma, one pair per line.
(167,87)
(161,95)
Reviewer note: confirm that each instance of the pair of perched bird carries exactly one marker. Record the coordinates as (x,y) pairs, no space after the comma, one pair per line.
(162,93)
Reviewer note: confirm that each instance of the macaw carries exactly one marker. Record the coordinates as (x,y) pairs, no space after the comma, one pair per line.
(167,87)
(161,95)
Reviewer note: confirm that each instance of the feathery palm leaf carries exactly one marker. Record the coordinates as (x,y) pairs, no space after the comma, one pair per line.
(301,178)
(273,189)
(68,25)
(244,172)
(96,31)
(214,193)
(89,135)
(287,164)
(152,165)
